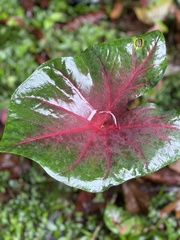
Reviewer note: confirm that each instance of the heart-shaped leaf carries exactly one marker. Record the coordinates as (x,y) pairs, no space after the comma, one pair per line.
(71,115)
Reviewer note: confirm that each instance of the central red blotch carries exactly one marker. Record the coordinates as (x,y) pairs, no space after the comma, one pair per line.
(103,120)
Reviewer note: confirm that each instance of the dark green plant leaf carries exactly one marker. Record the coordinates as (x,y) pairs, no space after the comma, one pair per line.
(71,115)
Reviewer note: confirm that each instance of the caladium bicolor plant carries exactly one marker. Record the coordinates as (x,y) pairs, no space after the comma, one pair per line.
(71,115)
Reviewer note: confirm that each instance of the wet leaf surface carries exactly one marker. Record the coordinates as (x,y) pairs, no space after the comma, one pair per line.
(71,115)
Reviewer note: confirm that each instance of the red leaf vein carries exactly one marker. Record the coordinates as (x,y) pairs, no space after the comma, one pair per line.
(139,70)
(83,152)
(50,135)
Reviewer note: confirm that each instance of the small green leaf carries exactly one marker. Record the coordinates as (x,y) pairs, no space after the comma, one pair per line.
(121,222)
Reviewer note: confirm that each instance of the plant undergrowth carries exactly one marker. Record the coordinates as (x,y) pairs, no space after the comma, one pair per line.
(45,209)
(24,38)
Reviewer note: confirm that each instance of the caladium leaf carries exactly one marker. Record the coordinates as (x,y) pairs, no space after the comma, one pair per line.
(71,115)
